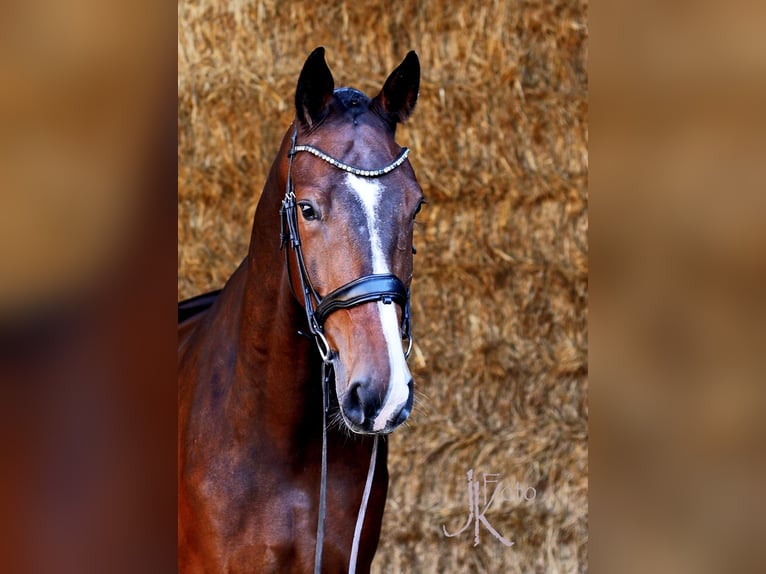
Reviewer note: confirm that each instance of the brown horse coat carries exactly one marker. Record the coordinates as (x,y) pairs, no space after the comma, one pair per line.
(250,395)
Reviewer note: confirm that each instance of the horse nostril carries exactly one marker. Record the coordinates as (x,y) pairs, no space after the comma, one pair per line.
(407,408)
(361,402)
(352,404)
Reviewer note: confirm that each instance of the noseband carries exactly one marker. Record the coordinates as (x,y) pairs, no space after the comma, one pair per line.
(385,287)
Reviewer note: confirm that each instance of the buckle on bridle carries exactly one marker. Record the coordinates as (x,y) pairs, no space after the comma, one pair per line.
(407,338)
(284,234)
(323,345)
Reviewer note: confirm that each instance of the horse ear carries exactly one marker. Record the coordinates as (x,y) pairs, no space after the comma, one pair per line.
(397,99)
(315,88)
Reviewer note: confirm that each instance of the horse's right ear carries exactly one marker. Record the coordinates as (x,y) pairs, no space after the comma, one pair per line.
(315,88)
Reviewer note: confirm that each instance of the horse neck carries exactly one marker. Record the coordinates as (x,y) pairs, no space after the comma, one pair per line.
(278,378)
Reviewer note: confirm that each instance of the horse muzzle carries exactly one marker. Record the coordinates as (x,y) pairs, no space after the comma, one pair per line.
(365,413)
(373,382)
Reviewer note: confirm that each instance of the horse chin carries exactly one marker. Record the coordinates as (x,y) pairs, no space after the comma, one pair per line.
(366,428)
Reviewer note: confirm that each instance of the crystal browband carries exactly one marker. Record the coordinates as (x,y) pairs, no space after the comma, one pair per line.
(350,168)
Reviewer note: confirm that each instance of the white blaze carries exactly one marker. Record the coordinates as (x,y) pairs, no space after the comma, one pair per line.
(369,192)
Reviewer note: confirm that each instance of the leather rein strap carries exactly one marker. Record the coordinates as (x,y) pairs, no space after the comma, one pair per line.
(384,287)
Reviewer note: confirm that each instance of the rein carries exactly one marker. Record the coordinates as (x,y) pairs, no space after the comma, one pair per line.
(385,287)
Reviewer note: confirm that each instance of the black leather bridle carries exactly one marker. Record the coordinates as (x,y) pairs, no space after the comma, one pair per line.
(385,287)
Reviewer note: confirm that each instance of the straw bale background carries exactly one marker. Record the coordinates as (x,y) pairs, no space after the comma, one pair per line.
(499,144)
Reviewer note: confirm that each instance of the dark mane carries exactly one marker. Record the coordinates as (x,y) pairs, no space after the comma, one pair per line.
(352,99)
(353,106)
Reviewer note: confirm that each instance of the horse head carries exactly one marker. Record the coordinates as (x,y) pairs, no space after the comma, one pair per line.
(355,199)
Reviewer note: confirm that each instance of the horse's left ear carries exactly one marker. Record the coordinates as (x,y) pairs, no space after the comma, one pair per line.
(397,99)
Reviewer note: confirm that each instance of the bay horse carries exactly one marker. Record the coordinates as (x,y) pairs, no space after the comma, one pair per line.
(315,318)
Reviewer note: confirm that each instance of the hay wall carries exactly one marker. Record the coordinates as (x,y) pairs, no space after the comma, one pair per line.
(499,144)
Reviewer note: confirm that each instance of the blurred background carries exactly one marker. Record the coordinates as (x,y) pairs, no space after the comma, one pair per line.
(87,287)
(678,284)
(499,145)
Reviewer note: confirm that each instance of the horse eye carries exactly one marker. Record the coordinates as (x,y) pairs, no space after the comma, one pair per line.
(307,211)
(418,208)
